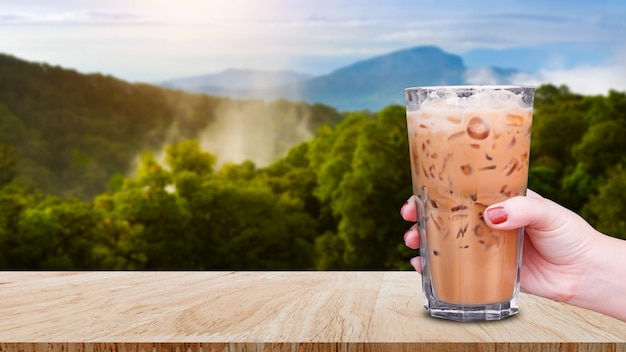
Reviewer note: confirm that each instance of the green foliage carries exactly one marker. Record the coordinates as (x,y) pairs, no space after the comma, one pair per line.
(602,145)
(46,232)
(330,202)
(74,131)
(607,207)
(577,140)
(558,123)
(363,181)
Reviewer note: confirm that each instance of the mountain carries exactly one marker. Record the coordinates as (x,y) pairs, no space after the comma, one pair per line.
(69,133)
(374,83)
(236,79)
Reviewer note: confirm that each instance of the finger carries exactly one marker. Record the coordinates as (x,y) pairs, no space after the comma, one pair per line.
(532,211)
(531,193)
(553,232)
(409,211)
(416,263)
(411,237)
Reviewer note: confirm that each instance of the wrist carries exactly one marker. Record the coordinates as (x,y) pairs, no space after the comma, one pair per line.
(601,287)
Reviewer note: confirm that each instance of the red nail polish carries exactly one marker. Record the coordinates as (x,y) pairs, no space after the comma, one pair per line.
(497,215)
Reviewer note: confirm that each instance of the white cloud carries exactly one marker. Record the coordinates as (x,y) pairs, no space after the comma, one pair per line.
(152,40)
(482,76)
(72,18)
(586,80)
(589,80)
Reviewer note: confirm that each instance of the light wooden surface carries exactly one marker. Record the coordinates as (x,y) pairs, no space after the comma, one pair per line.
(287,311)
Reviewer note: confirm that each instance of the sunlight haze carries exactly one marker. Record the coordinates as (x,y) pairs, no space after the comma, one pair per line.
(152,41)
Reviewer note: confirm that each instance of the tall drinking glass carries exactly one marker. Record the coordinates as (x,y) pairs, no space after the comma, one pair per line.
(470,148)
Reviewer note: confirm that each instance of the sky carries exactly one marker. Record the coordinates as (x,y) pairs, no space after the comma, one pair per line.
(157,40)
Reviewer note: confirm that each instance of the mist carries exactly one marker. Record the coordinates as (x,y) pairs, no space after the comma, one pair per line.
(255,130)
(583,79)
(238,130)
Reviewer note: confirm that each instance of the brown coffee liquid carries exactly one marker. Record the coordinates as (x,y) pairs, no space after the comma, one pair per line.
(462,161)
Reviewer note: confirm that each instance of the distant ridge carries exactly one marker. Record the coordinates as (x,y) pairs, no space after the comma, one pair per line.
(238,79)
(368,84)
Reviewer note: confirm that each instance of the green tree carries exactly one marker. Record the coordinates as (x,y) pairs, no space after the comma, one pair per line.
(245,218)
(378,182)
(187,156)
(243,225)
(599,150)
(183,215)
(157,215)
(363,178)
(558,123)
(43,232)
(602,146)
(8,161)
(15,199)
(57,234)
(606,209)
(292,177)
(331,156)
(558,126)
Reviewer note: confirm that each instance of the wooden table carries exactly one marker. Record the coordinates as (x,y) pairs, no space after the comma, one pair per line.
(260,311)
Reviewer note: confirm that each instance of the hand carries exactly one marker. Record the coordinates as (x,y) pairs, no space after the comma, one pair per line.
(563,256)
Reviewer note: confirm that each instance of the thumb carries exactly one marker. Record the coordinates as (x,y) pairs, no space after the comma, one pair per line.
(532,212)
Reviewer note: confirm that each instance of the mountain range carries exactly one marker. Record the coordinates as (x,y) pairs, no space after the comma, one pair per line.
(365,85)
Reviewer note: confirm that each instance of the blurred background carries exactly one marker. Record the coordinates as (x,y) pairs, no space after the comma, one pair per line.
(271,134)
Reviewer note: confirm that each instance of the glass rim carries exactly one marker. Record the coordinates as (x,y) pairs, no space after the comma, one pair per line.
(472,87)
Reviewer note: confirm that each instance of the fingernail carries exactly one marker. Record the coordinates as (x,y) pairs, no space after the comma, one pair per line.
(497,215)
(403,206)
(406,234)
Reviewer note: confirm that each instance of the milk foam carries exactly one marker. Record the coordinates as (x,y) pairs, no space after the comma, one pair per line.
(445,110)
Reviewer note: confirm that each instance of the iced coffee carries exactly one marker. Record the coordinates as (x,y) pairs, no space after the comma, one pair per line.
(469,148)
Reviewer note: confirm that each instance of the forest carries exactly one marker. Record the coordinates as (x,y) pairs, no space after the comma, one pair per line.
(98,173)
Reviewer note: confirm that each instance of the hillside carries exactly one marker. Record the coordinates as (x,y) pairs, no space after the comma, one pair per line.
(71,132)
(330,204)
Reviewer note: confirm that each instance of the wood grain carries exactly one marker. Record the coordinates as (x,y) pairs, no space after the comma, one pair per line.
(278,311)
